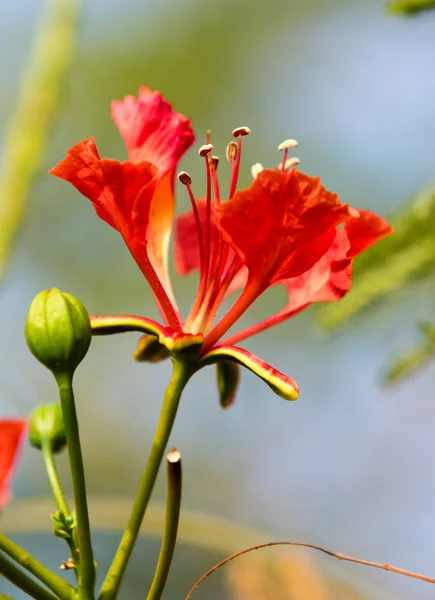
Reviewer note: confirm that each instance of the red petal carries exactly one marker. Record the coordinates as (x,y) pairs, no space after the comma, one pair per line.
(281,225)
(114,188)
(366,231)
(151,130)
(11,435)
(331,277)
(125,195)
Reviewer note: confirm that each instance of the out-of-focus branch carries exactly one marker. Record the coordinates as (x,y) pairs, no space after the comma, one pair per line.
(338,555)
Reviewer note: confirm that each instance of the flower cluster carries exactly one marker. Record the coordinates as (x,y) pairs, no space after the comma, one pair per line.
(284,229)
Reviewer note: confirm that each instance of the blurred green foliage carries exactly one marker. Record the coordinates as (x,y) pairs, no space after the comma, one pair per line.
(389,265)
(35,107)
(410,6)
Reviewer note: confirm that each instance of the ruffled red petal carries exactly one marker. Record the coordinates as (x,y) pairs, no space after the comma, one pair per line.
(151,130)
(331,277)
(365,231)
(121,193)
(281,225)
(124,195)
(11,435)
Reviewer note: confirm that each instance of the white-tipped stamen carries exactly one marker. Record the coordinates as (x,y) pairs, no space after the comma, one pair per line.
(256,169)
(214,161)
(184,178)
(289,163)
(231,152)
(205,149)
(240,131)
(287,144)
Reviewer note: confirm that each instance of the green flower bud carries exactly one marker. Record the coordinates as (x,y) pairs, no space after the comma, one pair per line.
(46,425)
(63,525)
(58,331)
(227,376)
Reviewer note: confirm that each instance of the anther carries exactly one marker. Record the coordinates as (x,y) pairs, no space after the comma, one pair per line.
(231,151)
(256,169)
(287,144)
(241,131)
(214,162)
(205,149)
(291,162)
(184,178)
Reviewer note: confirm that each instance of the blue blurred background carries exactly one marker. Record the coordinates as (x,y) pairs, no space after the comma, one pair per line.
(347,466)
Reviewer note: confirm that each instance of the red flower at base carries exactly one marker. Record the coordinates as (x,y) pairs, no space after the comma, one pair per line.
(11,436)
(285,228)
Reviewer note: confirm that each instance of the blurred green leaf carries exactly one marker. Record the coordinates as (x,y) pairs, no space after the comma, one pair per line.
(414,359)
(410,6)
(35,107)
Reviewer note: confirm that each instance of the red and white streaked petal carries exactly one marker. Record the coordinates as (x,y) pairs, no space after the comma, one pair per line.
(12,433)
(281,384)
(122,194)
(151,130)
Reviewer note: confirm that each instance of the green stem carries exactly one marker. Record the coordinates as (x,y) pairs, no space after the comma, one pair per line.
(86,578)
(22,581)
(53,477)
(55,583)
(59,496)
(173,503)
(181,374)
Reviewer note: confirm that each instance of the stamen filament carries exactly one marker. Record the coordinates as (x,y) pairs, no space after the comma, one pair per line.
(207,222)
(198,228)
(235,167)
(244,301)
(284,159)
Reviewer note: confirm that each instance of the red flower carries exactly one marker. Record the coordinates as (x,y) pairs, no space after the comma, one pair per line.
(11,436)
(283,229)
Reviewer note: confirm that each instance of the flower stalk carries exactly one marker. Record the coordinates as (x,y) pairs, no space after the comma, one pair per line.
(22,581)
(173,504)
(86,575)
(56,584)
(182,371)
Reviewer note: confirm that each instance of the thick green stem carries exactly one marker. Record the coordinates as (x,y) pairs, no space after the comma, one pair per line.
(55,583)
(86,578)
(180,376)
(173,503)
(22,581)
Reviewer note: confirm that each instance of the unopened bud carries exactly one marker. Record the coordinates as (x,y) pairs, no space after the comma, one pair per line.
(240,131)
(46,426)
(184,178)
(58,331)
(205,149)
(227,375)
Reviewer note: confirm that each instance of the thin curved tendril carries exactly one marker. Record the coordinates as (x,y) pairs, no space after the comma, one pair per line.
(338,555)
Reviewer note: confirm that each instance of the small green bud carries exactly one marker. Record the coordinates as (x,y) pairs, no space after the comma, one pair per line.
(46,425)
(58,331)
(227,375)
(63,525)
